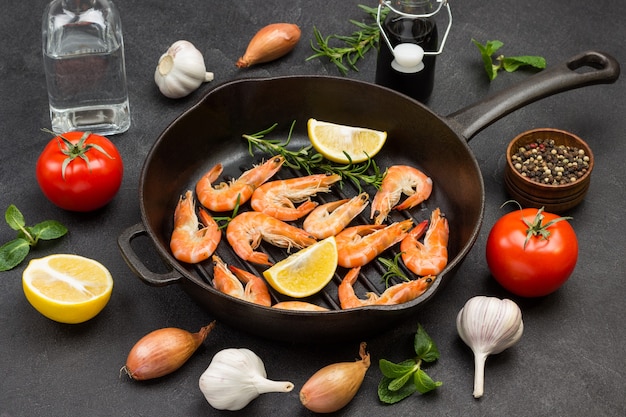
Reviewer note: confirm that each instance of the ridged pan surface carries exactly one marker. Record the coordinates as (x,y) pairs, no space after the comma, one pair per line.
(211,132)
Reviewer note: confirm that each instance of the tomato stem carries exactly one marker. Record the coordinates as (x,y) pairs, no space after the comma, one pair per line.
(537,228)
(78,150)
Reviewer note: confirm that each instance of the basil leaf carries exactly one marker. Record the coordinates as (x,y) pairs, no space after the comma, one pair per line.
(512,63)
(423,383)
(393,370)
(48,230)
(391,397)
(424,346)
(14,218)
(12,253)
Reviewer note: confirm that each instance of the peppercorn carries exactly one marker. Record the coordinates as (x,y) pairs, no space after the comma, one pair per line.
(545,162)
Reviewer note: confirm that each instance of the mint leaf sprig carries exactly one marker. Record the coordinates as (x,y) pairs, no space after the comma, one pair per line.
(509,64)
(14,252)
(401,380)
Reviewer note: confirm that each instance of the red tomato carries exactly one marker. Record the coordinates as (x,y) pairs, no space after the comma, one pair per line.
(531,253)
(92,174)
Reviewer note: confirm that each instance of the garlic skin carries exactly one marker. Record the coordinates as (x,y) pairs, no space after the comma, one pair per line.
(181,70)
(235,377)
(488,325)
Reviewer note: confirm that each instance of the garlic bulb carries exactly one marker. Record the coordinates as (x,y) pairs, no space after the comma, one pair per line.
(488,325)
(235,377)
(181,70)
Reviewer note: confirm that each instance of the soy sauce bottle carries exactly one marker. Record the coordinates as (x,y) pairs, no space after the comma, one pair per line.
(399,28)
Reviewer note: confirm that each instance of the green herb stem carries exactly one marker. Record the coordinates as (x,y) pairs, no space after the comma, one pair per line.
(310,161)
(352,47)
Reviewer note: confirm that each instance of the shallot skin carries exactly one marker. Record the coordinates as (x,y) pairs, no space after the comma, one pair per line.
(334,386)
(271,42)
(163,351)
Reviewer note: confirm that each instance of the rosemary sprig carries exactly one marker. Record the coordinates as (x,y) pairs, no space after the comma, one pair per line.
(393,269)
(225,220)
(354,46)
(311,161)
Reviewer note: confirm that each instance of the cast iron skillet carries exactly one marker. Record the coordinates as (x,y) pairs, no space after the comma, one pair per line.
(211,132)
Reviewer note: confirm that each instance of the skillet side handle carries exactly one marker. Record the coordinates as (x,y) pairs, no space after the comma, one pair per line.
(604,69)
(136,265)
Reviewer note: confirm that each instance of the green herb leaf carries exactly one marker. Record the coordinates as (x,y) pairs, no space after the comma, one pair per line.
(349,47)
(13,253)
(509,64)
(512,63)
(486,51)
(393,269)
(306,159)
(423,383)
(395,384)
(14,218)
(48,230)
(396,370)
(424,346)
(391,397)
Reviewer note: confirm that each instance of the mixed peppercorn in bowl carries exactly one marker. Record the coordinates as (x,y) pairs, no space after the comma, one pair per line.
(548,168)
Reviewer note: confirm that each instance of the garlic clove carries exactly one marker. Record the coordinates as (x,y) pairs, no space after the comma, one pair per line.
(181,70)
(488,325)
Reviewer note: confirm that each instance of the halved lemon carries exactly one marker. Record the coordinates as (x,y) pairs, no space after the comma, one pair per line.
(67,288)
(305,272)
(333,141)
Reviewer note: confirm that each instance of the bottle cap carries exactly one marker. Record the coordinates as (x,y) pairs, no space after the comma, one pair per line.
(408,58)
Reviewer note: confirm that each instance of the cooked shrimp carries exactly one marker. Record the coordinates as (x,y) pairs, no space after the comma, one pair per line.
(430,257)
(331,218)
(225,196)
(188,242)
(299,305)
(358,245)
(400,179)
(277,198)
(246,230)
(229,279)
(396,294)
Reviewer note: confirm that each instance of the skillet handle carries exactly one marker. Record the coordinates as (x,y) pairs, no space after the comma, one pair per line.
(562,77)
(136,265)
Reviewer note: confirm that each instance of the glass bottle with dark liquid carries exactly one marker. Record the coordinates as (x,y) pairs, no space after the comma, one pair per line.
(402,29)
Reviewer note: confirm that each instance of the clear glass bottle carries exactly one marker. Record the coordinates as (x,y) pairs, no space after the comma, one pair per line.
(422,31)
(83,52)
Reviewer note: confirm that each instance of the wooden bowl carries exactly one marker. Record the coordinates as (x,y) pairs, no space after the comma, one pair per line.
(530,193)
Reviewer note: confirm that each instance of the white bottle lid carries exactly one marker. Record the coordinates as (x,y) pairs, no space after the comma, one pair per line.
(408,58)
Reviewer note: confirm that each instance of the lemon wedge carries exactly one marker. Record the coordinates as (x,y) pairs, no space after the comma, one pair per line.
(333,141)
(67,288)
(305,272)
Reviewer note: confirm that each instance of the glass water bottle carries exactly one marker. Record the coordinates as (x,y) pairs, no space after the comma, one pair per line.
(83,52)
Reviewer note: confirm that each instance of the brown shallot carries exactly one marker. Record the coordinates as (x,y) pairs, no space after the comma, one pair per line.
(163,351)
(334,386)
(271,42)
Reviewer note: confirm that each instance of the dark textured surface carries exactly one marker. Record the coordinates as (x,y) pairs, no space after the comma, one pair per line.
(571,358)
